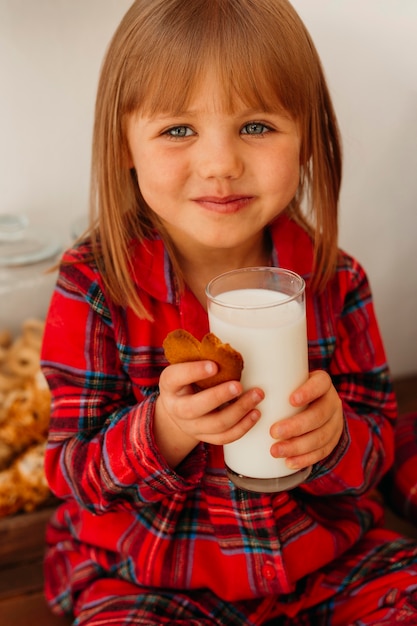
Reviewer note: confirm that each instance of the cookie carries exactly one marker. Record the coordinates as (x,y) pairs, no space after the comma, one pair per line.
(181,346)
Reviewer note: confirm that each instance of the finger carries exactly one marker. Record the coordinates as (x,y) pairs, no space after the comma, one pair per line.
(234,419)
(311,447)
(318,383)
(301,459)
(208,401)
(310,458)
(235,432)
(313,441)
(175,377)
(301,462)
(221,420)
(310,419)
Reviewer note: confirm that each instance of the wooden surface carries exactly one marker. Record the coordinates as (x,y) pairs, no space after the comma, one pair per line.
(29,609)
(21,577)
(406,390)
(22,547)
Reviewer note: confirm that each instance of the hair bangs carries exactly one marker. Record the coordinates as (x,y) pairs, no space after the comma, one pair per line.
(258,62)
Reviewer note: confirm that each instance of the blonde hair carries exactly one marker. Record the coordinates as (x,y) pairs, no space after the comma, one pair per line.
(262,54)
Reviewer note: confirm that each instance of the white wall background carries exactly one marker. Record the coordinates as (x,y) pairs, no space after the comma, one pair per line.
(50,55)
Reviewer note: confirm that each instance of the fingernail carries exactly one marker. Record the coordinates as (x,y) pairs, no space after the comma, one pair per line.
(291,464)
(277,433)
(297,398)
(278,451)
(234,389)
(257,397)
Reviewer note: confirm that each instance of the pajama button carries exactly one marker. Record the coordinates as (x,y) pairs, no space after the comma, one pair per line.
(268,571)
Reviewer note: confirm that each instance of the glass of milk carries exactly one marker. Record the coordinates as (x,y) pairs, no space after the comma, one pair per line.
(260,311)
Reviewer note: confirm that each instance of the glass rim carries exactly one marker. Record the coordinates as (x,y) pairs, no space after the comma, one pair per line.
(252,270)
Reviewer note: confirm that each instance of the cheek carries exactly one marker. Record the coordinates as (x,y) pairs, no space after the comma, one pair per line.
(149,188)
(155,172)
(292,167)
(294,174)
(284,175)
(158,185)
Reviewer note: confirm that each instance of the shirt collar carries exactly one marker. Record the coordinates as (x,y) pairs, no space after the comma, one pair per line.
(153,272)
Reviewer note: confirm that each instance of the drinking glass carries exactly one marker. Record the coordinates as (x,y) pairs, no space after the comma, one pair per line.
(260,311)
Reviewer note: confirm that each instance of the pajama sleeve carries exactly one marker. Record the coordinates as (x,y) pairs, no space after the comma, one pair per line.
(353,354)
(101,449)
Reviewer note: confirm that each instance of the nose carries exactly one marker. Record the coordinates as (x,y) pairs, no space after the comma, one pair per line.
(219,156)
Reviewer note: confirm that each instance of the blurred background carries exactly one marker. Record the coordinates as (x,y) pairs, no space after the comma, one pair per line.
(50,56)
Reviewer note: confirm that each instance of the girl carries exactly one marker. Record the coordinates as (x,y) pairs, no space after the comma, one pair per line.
(215,147)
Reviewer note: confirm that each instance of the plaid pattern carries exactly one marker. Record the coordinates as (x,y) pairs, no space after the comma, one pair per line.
(402,482)
(154,532)
(375,584)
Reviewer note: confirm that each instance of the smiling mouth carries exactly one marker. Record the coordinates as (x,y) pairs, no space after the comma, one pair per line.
(226,204)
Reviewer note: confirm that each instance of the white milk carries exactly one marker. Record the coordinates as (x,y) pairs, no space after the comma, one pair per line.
(273,343)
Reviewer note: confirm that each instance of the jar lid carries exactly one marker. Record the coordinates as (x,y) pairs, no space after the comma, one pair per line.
(22,245)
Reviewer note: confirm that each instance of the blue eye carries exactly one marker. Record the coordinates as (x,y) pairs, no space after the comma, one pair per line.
(179,131)
(255,128)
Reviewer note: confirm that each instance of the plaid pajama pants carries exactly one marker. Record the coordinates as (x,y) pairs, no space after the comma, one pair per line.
(373,583)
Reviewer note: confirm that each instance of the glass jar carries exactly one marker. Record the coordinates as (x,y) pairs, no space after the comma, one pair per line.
(26,285)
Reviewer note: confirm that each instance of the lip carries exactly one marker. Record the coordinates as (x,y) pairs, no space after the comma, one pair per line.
(224,204)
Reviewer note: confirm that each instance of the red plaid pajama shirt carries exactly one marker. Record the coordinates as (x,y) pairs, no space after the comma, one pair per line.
(136,542)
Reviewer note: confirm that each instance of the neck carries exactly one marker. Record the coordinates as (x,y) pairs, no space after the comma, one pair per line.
(198,269)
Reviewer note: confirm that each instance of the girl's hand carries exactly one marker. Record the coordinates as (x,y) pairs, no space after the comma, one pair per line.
(312,434)
(184,417)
